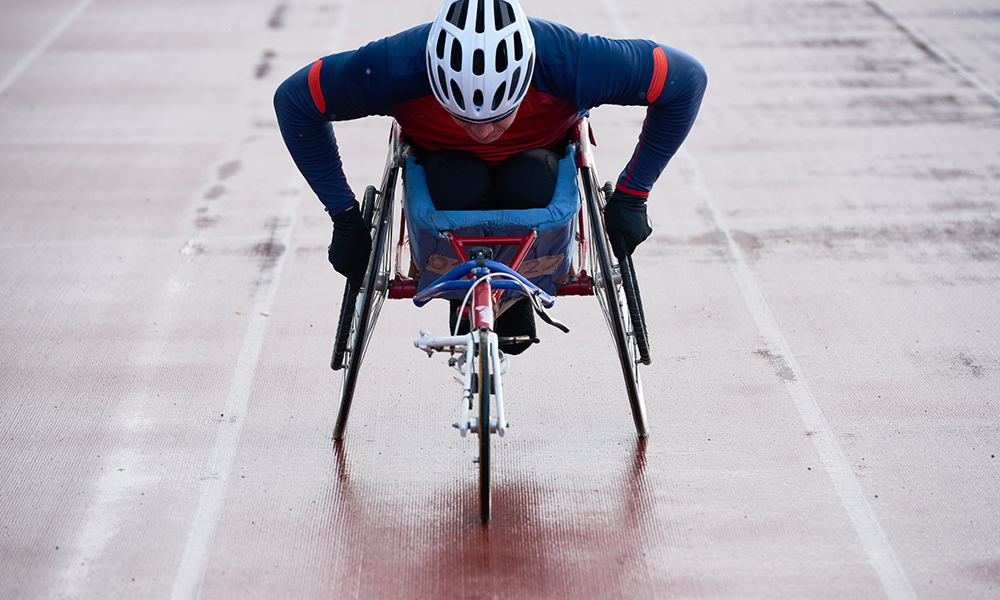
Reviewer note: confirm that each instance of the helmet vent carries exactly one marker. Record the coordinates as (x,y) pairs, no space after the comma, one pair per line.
(498,97)
(502,57)
(513,82)
(527,76)
(443,82)
(503,14)
(478,63)
(480,18)
(518,48)
(457,13)
(477,98)
(440,45)
(456,56)
(459,100)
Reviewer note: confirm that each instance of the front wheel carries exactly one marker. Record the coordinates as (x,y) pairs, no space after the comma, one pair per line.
(484,424)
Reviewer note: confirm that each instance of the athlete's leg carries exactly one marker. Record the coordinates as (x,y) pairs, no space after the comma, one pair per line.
(526,179)
(517,320)
(457,180)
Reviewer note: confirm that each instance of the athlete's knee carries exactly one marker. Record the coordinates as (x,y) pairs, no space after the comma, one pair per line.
(457,180)
(527,179)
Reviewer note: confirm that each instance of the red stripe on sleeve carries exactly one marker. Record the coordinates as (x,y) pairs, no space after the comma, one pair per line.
(659,75)
(317,91)
(622,188)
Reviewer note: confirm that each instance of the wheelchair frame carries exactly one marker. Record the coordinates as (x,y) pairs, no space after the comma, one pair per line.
(479,359)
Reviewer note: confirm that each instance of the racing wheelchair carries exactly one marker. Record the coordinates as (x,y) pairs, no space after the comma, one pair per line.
(485,259)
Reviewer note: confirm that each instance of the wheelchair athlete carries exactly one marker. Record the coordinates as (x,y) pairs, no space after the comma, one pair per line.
(488,97)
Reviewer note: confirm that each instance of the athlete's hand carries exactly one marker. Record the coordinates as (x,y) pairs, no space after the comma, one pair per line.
(351,245)
(626,221)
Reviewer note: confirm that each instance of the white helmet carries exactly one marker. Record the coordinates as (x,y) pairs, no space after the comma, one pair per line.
(480,60)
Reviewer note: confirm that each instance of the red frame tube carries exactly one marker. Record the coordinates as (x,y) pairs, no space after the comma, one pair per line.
(483,300)
(458,244)
(482,307)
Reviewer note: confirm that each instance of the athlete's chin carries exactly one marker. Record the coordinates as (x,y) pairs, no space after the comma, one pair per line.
(488,139)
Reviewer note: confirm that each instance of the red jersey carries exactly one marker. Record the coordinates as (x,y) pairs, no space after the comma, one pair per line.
(542,122)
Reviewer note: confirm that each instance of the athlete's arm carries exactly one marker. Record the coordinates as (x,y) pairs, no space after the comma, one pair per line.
(673,93)
(595,70)
(309,137)
(339,87)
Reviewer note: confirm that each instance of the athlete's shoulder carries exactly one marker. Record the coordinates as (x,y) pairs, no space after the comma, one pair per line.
(575,66)
(371,79)
(398,59)
(554,39)
(407,58)
(557,49)
(408,44)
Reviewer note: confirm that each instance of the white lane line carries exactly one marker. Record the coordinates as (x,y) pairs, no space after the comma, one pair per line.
(925,43)
(101,523)
(198,546)
(201,533)
(880,552)
(22,65)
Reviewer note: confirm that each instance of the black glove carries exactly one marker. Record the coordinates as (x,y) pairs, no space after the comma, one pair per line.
(626,221)
(351,245)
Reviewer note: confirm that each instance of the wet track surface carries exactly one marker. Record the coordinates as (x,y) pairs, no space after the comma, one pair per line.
(822,289)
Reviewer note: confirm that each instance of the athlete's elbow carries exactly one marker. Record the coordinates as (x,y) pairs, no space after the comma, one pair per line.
(689,75)
(282,97)
(288,106)
(699,77)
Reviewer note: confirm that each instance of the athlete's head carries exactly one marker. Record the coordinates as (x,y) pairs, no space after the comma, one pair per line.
(480,58)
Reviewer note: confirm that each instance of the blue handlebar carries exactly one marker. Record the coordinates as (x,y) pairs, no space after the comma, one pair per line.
(453,281)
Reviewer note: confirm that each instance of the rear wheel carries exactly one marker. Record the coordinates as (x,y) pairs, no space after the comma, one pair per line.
(484,424)
(347,305)
(356,326)
(611,294)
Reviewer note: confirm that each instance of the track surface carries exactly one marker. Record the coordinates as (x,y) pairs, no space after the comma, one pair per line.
(822,288)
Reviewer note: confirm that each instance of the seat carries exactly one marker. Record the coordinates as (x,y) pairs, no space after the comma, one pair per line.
(547,261)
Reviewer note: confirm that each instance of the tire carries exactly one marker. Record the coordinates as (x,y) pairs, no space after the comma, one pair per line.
(368,205)
(485,385)
(358,325)
(344,326)
(611,295)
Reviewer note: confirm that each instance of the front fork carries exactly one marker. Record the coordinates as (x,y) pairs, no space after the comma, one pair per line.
(465,364)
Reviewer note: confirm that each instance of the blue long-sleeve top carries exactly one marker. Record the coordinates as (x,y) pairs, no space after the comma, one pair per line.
(574,72)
